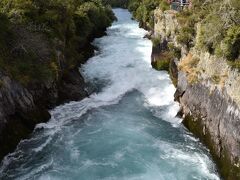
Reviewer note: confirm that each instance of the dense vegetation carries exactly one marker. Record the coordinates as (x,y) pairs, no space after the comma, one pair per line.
(116,3)
(36,35)
(33,32)
(143,10)
(218,23)
(219,26)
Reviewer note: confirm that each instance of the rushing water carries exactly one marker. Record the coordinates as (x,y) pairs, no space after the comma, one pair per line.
(126,130)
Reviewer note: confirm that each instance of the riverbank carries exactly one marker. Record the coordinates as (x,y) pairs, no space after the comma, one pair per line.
(207,91)
(41,51)
(23,108)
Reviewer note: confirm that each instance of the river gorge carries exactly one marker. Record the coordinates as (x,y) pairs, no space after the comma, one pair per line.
(126,129)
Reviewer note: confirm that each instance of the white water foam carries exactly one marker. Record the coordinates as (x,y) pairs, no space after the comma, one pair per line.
(126,66)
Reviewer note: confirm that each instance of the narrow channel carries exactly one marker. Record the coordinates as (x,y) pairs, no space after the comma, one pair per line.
(126,130)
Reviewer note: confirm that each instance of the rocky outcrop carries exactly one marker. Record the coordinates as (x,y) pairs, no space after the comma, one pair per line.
(22,108)
(165,47)
(213,116)
(209,99)
(18,114)
(165,24)
(72,87)
(209,95)
(42,45)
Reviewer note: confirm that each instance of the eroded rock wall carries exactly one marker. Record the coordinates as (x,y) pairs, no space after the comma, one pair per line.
(22,108)
(208,92)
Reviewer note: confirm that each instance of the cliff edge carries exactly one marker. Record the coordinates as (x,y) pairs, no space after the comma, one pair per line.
(207,89)
(42,45)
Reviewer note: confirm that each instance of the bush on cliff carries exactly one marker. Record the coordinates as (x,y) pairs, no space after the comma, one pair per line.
(143,10)
(163,61)
(219,24)
(175,50)
(45,37)
(117,3)
(218,21)
(185,36)
(187,32)
(164,5)
(230,45)
(156,41)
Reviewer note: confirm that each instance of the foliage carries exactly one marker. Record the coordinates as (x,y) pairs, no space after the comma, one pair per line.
(185,36)
(156,41)
(235,64)
(164,6)
(163,61)
(64,26)
(143,10)
(117,3)
(230,46)
(162,64)
(175,50)
(189,66)
(218,30)
(4,32)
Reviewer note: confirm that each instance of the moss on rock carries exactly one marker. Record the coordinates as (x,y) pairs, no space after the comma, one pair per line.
(227,170)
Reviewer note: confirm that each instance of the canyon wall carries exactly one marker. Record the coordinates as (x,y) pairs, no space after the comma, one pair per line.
(22,107)
(208,92)
(42,46)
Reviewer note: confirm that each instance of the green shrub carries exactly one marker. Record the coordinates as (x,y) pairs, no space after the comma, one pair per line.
(164,6)
(218,22)
(216,79)
(156,41)
(231,43)
(143,10)
(175,50)
(163,61)
(235,64)
(65,26)
(185,36)
(162,64)
(117,3)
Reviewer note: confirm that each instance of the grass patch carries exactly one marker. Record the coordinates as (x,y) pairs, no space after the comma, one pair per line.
(163,61)
(156,41)
(189,66)
(162,64)
(175,50)
(216,79)
(235,64)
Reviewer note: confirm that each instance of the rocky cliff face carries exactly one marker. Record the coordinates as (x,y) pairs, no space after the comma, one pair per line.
(42,45)
(21,108)
(208,91)
(18,113)
(213,116)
